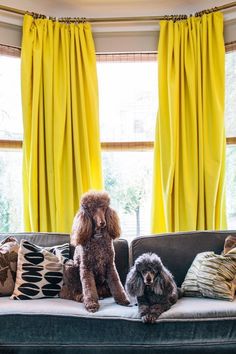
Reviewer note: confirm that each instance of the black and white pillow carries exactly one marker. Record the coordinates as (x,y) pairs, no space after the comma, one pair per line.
(39,271)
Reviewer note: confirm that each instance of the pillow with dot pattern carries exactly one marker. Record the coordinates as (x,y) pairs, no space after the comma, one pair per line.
(39,271)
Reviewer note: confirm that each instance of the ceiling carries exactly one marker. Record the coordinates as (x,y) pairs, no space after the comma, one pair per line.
(113,8)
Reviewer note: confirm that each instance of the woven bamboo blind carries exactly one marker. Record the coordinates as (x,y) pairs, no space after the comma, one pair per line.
(230,47)
(9,51)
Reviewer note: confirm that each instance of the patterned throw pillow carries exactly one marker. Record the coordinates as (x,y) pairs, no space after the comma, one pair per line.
(230,242)
(8,261)
(39,271)
(211,275)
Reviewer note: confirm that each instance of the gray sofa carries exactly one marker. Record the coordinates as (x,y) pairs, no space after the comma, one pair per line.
(192,325)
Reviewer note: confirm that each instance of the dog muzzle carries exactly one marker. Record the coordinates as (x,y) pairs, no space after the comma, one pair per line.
(148,278)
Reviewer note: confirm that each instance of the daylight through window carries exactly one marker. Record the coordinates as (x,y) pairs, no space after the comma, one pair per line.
(230,127)
(11,135)
(128,108)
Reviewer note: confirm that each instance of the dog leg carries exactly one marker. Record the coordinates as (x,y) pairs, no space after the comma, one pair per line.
(176,294)
(144,309)
(155,311)
(103,291)
(116,287)
(72,288)
(150,313)
(90,295)
(144,313)
(69,294)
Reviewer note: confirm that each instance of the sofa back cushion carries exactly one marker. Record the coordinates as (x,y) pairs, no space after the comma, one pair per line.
(178,250)
(52,239)
(42,239)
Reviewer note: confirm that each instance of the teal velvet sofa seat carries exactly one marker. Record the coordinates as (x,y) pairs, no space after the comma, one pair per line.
(192,325)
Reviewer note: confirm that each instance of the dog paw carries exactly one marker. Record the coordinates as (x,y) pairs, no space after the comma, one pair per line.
(92,306)
(121,299)
(123,302)
(149,318)
(79,297)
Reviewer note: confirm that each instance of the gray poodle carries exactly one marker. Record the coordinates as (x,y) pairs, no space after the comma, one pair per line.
(153,286)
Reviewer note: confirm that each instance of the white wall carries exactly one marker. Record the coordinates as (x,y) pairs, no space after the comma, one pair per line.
(10,34)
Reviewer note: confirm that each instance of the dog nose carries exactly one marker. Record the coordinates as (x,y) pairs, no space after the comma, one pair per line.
(102,224)
(148,279)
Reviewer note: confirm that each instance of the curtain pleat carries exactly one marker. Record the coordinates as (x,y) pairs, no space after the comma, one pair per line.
(61,148)
(189,162)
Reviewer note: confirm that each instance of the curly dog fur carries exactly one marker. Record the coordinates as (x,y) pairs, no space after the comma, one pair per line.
(92,274)
(153,286)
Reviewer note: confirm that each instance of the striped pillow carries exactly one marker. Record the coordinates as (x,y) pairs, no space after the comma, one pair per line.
(211,275)
(39,271)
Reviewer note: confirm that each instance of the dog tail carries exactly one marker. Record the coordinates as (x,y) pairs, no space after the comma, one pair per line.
(180,292)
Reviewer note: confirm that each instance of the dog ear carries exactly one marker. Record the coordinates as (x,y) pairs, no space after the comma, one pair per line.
(134,284)
(81,229)
(113,223)
(166,279)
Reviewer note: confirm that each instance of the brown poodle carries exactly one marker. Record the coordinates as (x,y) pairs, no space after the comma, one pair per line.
(92,273)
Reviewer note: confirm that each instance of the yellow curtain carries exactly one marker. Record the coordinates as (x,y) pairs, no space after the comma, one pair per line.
(189,162)
(61,149)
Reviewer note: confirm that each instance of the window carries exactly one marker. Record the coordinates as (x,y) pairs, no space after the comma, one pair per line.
(10,141)
(230,127)
(128,107)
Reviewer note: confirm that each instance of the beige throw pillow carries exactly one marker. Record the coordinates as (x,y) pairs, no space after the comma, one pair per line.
(8,262)
(211,275)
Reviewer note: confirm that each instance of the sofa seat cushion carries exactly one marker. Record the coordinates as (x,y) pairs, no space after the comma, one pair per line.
(60,307)
(185,309)
(52,322)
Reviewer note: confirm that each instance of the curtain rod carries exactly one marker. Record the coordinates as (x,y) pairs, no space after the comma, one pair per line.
(120,19)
